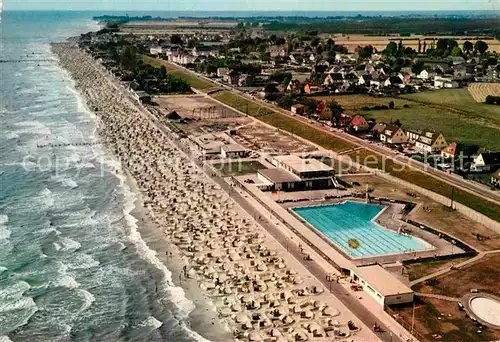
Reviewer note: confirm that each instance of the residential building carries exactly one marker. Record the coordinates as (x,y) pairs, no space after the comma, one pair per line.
(269,90)
(431,142)
(445,82)
(276,51)
(205,51)
(459,150)
(413,136)
(333,79)
(359,124)
(312,88)
(298,109)
(156,50)
(393,135)
(426,74)
(488,161)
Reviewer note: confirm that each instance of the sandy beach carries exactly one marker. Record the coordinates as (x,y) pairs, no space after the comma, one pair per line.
(244,284)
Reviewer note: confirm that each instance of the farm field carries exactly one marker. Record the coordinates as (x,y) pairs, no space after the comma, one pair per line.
(453,112)
(479,91)
(194,81)
(352,41)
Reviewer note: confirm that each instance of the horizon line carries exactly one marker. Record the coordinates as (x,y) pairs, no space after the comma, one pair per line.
(240,10)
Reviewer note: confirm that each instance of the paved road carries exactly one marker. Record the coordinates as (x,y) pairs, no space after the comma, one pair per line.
(362,313)
(452,179)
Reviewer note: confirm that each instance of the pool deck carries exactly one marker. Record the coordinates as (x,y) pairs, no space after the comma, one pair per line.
(389,218)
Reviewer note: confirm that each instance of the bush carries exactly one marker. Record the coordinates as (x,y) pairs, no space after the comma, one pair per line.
(391,105)
(493,100)
(406,105)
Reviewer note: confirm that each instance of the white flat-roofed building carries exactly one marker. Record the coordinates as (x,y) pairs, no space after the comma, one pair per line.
(280,178)
(312,173)
(381,285)
(233,151)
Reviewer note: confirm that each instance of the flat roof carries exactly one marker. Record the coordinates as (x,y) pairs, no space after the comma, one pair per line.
(233,148)
(381,280)
(303,165)
(278,175)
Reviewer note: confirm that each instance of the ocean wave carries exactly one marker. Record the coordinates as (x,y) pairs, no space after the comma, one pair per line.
(69,245)
(3,269)
(66,281)
(13,292)
(66,182)
(88,299)
(4,234)
(150,322)
(46,231)
(82,262)
(3,219)
(5,339)
(11,135)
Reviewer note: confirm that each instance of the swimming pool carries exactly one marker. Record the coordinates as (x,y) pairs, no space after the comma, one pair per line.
(348,222)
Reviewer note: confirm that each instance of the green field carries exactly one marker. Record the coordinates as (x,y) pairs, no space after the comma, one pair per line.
(452,112)
(193,80)
(239,168)
(243,105)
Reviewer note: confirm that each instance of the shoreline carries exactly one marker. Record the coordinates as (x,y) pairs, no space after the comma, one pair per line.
(203,318)
(240,277)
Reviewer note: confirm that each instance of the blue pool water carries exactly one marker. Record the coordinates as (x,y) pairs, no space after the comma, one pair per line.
(353,220)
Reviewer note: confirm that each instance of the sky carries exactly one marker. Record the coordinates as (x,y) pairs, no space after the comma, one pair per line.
(249,5)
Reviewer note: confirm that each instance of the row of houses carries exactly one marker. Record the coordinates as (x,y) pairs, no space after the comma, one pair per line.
(430,142)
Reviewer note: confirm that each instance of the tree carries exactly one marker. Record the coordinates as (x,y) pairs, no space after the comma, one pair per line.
(417,67)
(176,39)
(315,42)
(468,46)
(480,47)
(336,110)
(365,52)
(456,51)
(492,61)
(442,44)
(391,49)
(192,43)
(280,41)
(330,44)
(240,26)
(391,105)
(319,49)
(408,51)
(128,58)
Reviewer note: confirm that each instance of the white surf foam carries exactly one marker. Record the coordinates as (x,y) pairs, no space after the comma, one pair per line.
(3,219)
(3,269)
(150,322)
(69,245)
(66,281)
(5,339)
(88,299)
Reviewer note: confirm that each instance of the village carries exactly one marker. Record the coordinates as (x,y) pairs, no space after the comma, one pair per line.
(306,74)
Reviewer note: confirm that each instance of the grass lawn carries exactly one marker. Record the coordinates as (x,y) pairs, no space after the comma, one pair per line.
(239,168)
(242,104)
(193,80)
(452,111)
(422,269)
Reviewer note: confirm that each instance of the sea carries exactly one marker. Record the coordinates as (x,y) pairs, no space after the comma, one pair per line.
(73,265)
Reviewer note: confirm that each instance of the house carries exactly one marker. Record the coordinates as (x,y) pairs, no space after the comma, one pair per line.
(298,109)
(142,96)
(181,58)
(445,82)
(270,90)
(359,124)
(393,81)
(333,79)
(393,135)
(430,142)
(312,88)
(205,51)
(293,85)
(413,136)
(488,161)
(459,150)
(426,74)
(233,151)
(156,50)
(365,80)
(276,51)
(173,116)
(378,129)
(221,72)
(495,179)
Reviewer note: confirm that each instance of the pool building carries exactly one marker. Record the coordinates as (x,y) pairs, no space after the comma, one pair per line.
(352,228)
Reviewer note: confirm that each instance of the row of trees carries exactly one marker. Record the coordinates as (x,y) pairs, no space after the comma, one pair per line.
(149,78)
